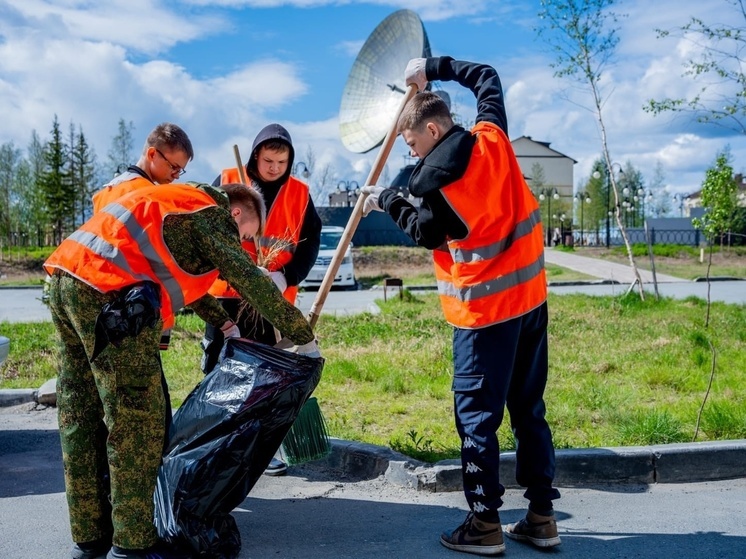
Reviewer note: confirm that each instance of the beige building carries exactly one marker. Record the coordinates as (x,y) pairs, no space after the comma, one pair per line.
(558,167)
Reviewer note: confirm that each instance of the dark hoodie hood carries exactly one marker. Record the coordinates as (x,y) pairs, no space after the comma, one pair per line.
(446,162)
(266,134)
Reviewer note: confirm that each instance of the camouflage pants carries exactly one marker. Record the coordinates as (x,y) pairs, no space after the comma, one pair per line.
(111,419)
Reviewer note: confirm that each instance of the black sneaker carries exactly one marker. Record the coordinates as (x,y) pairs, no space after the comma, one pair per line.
(91,550)
(276,468)
(475,536)
(159,551)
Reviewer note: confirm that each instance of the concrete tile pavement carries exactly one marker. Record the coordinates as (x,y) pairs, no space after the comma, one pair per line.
(602,269)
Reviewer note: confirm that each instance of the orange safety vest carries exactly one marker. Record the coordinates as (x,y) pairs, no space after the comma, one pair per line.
(281,232)
(119,186)
(497,271)
(123,245)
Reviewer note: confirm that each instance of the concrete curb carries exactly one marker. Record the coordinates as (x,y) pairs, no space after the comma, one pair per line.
(671,463)
(16,396)
(674,463)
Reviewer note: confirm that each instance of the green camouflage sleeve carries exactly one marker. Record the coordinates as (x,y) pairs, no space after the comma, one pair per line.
(207,240)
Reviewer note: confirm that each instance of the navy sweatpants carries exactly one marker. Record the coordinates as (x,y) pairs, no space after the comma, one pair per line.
(503,364)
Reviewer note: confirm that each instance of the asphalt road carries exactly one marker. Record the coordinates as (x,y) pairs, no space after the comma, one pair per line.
(310,514)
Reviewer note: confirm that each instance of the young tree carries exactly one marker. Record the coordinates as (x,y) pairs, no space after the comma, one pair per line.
(719,200)
(583,35)
(120,152)
(597,189)
(718,65)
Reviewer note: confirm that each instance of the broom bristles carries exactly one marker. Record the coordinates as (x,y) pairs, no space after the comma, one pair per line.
(308,438)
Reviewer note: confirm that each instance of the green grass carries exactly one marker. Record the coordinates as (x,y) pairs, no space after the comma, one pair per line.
(622,372)
(679,260)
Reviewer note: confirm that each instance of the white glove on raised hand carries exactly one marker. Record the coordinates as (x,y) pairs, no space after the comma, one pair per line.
(371,202)
(415,73)
(230,330)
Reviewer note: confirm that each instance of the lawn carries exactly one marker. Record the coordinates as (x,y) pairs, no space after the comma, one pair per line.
(622,372)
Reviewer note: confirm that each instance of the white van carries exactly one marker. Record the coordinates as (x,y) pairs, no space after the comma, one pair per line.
(330,237)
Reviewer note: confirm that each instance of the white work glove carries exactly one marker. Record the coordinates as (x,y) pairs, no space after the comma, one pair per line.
(371,201)
(277,277)
(280,281)
(415,73)
(285,344)
(230,330)
(311,349)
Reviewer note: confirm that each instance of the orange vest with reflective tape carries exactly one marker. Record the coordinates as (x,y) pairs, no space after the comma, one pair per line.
(281,232)
(123,245)
(121,185)
(497,271)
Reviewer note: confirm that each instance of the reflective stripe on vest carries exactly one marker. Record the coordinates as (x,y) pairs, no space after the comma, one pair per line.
(497,271)
(281,232)
(123,245)
(119,186)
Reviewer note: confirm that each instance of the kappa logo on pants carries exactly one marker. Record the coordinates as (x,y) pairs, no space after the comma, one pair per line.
(479,507)
(479,491)
(469,443)
(472,468)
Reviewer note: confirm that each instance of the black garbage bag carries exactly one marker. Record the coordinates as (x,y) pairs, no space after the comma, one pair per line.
(222,439)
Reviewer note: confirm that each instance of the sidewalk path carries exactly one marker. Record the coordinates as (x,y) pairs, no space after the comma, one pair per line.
(602,269)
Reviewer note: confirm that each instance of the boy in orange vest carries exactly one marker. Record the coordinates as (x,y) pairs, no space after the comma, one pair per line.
(164,159)
(290,242)
(483,224)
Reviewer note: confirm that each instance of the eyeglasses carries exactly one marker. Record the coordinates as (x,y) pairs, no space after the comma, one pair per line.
(174,168)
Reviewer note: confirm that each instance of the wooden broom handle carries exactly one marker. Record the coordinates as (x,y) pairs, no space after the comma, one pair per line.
(259,254)
(357,212)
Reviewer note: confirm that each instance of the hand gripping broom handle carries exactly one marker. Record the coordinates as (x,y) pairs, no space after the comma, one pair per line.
(357,212)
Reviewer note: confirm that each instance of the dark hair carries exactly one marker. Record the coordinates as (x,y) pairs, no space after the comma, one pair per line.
(273,145)
(169,136)
(423,108)
(249,199)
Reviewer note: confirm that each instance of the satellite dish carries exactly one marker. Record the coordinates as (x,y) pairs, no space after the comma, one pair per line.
(375,86)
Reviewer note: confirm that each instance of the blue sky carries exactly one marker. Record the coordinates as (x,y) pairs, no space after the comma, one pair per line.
(224,69)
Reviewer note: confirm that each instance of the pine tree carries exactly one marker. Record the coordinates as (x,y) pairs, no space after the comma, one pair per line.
(56,184)
(120,152)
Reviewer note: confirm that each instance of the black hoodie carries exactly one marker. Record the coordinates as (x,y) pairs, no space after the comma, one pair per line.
(307,250)
(435,221)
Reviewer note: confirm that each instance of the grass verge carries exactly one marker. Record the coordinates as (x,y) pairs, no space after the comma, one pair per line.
(622,372)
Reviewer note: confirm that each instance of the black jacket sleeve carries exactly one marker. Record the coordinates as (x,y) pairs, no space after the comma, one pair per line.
(307,250)
(481,79)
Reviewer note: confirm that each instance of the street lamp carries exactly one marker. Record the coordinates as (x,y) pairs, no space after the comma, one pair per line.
(582,197)
(305,173)
(547,194)
(352,188)
(561,218)
(681,199)
(597,175)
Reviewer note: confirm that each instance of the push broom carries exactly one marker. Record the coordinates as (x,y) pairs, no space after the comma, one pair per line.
(308,438)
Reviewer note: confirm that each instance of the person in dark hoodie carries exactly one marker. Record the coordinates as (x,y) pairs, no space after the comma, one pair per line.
(288,248)
(483,225)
